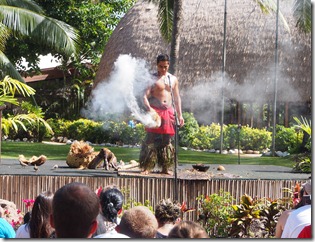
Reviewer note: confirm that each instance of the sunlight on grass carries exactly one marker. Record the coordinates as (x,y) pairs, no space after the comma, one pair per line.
(11,150)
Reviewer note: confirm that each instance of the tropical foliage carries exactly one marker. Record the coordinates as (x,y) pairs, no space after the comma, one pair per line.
(10,87)
(94,22)
(214,212)
(29,121)
(25,18)
(255,218)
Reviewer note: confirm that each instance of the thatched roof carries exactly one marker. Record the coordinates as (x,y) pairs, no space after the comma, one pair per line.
(250,50)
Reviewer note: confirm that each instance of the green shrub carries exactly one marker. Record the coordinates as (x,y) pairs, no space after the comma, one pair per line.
(254,139)
(188,131)
(232,136)
(286,139)
(214,212)
(59,126)
(202,139)
(190,135)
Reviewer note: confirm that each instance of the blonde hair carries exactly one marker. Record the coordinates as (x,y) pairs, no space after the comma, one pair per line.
(138,222)
(188,229)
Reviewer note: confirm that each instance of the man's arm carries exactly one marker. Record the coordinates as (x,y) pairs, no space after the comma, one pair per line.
(178,104)
(146,96)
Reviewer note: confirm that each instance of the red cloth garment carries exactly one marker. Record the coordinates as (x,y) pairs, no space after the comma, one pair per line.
(306,232)
(167,121)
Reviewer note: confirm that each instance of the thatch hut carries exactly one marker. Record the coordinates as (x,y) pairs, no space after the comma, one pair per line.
(250,59)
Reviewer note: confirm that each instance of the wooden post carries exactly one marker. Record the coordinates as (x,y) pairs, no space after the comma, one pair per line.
(286,114)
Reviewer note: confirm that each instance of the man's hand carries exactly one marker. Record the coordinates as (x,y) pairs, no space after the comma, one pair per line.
(181,121)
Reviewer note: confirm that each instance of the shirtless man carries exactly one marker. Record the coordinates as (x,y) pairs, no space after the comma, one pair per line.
(157,146)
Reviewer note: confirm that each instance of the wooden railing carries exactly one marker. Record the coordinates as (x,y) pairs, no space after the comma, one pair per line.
(16,188)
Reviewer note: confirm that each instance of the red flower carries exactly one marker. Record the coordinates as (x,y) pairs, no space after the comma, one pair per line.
(28,202)
(98,191)
(184,208)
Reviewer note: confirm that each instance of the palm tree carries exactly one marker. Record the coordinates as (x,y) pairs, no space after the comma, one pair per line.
(26,18)
(169,18)
(177,19)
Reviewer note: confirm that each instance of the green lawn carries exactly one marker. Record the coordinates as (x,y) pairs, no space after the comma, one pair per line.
(12,150)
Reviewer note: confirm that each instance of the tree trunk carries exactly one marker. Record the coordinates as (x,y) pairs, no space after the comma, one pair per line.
(174,53)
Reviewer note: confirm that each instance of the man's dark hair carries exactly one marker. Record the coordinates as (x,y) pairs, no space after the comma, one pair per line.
(167,211)
(75,207)
(162,57)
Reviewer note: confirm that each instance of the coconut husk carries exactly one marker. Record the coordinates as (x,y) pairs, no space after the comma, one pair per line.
(80,155)
(34,160)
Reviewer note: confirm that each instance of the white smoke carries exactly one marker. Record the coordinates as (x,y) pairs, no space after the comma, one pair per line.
(204,99)
(121,92)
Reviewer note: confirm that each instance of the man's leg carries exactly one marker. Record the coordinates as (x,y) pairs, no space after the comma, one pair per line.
(148,156)
(165,154)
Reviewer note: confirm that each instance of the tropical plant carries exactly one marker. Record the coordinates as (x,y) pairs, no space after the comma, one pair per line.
(170,18)
(26,18)
(255,218)
(30,119)
(94,21)
(304,124)
(302,12)
(214,212)
(303,164)
(9,88)
(243,216)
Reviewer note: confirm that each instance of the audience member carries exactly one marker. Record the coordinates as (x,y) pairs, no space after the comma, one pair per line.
(111,200)
(138,222)
(100,225)
(298,219)
(305,190)
(75,209)
(167,214)
(188,229)
(26,217)
(39,224)
(6,229)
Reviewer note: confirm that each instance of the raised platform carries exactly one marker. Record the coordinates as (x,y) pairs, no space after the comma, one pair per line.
(184,171)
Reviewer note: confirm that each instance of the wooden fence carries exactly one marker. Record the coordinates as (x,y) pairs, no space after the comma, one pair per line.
(17,188)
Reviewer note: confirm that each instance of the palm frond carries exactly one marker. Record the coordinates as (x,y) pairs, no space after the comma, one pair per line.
(27,4)
(269,6)
(47,126)
(165,18)
(10,86)
(8,99)
(304,124)
(7,68)
(4,35)
(61,36)
(302,12)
